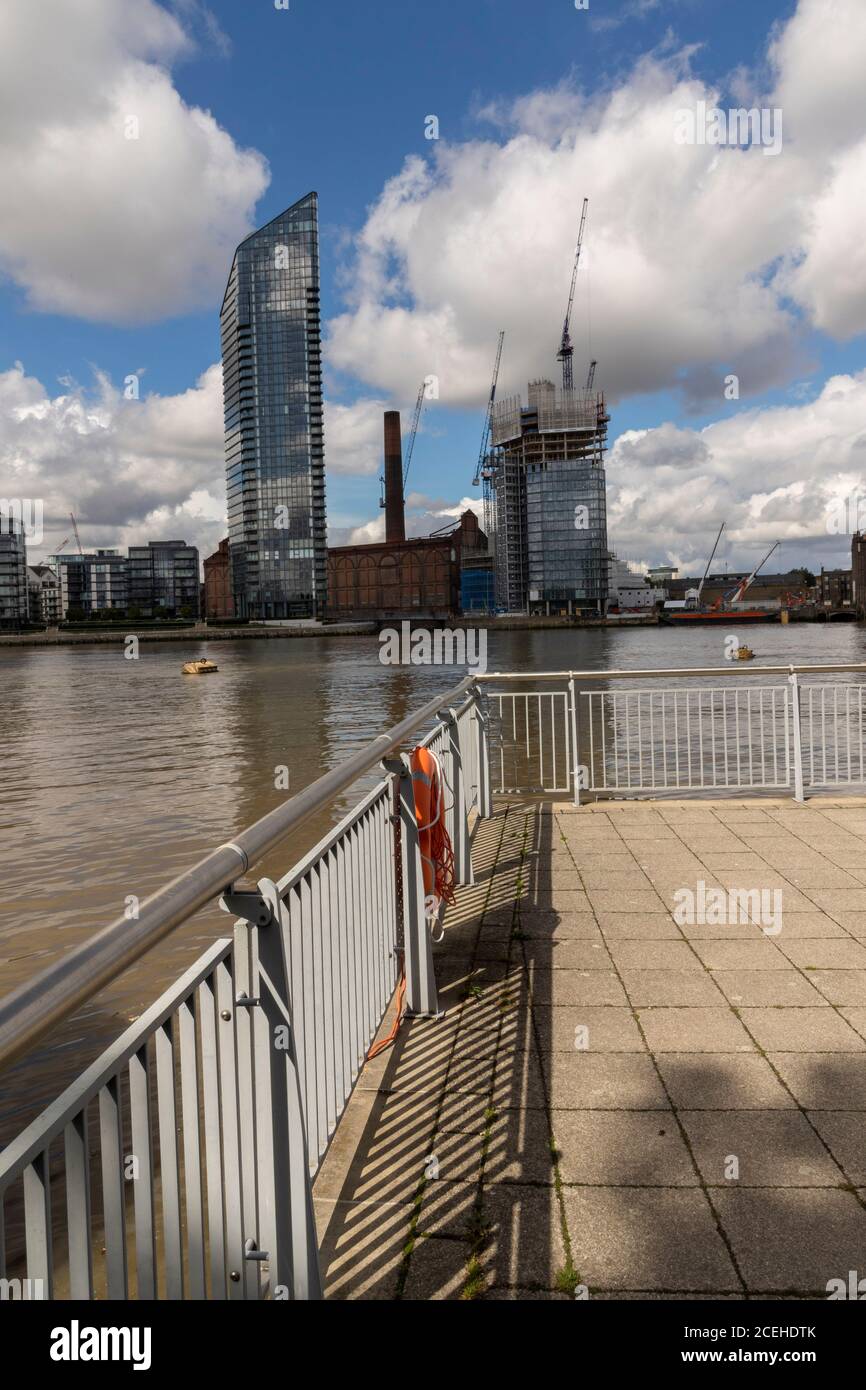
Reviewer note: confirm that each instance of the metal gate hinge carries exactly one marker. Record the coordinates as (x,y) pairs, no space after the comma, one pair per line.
(252,907)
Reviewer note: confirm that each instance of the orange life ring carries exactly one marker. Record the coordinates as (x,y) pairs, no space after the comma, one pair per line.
(437,857)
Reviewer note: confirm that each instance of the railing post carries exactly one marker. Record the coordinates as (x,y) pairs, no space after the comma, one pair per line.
(287,1235)
(575,755)
(482,759)
(462,850)
(795,724)
(421,995)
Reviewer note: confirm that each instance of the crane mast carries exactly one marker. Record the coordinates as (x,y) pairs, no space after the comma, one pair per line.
(709,562)
(416,417)
(746,583)
(419,406)
(485,435)
(566,348)
(77,537)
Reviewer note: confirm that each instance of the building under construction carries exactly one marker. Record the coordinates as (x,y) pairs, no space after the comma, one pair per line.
(545,500)
(542,465)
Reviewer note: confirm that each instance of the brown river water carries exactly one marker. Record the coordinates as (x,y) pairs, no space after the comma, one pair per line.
(118,775)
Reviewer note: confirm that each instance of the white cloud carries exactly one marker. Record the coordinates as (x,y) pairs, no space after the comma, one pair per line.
(148,469)
(93,224)
(693,254)
(770,474)
(354,435)
(424,515)
(129,470)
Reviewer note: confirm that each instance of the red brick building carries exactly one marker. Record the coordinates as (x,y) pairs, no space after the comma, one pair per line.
(402,579)
(218,601)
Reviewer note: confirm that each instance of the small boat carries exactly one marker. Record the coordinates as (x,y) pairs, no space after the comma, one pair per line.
(745,653)
(202,667)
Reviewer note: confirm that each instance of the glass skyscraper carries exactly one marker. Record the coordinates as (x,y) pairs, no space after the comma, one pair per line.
(272,386)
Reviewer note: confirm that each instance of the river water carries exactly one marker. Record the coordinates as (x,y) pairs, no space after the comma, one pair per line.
(119,774)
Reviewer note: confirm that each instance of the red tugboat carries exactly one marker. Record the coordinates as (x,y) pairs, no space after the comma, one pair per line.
(722,610)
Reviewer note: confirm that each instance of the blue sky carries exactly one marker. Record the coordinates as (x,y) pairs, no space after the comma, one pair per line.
(333,95)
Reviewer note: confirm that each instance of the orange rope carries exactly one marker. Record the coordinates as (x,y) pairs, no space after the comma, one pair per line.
(398,1018)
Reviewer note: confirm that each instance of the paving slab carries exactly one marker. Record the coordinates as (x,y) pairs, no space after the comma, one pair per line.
(767,987)
(648,1238)
(723,1081)
(758,1148)
(625,1148)
(801,1030)
(694,1030)
(793,1241)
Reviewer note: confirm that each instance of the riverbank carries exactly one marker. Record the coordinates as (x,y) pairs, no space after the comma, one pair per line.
(199,633)
(202,633)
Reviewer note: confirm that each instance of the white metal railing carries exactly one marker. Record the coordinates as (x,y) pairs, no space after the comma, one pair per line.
(674,740)
(530,735)
(179,1164)
(661,732)
(831,734)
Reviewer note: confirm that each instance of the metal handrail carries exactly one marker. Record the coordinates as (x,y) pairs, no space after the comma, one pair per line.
(31,1010)
(730,670)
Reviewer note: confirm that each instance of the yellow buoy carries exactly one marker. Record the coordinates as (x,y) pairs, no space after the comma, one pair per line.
(202,667)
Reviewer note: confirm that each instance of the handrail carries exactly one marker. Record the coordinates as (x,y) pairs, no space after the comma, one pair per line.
(731,670)
(29,1011)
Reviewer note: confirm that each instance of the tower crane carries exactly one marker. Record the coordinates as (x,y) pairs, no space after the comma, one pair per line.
(77,537)
(419,406)
(566,348)
(485,436)
(591,377)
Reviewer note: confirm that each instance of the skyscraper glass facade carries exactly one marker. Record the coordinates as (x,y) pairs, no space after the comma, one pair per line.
(566,536)
(272,385)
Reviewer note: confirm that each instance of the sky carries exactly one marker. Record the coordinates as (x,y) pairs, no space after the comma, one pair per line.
(722,286)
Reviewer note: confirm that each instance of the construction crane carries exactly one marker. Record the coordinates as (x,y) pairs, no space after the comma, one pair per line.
(591,377)
(707,570)
(419,406)
(746,583)
(566,349)
(77,537)
(480,469)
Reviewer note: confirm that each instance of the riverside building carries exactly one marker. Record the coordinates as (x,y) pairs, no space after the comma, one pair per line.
(274,450)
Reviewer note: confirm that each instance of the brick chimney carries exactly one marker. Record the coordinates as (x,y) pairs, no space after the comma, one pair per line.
(395,524)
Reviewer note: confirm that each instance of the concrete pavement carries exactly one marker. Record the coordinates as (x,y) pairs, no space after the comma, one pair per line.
(650,1076)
